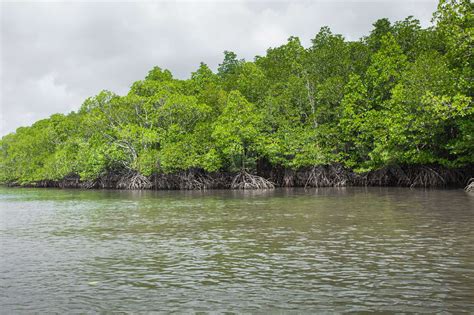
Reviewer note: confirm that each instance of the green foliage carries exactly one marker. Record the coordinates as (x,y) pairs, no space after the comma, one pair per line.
(237,132)
(382,27)
(409,36)
(283,62)
(455,26)
(385,69)
(229,69)
(401,95)
(159,75)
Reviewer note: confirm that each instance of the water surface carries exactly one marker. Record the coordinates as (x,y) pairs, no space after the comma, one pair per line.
(349,249)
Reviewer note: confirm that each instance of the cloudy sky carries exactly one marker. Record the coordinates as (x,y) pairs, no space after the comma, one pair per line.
(56,54)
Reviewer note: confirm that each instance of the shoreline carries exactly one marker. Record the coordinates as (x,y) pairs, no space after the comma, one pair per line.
(313,177)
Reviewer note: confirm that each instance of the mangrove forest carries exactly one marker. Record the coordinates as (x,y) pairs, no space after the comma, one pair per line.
(392,108)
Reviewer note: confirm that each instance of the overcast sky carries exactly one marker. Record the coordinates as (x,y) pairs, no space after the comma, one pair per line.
(56,54)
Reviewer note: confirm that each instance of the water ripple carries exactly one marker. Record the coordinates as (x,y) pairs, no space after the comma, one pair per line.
(325,250)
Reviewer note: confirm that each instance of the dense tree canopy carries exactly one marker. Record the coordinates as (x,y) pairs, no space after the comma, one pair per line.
(400,96)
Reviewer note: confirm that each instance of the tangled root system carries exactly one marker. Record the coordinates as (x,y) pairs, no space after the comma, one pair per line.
(134,180)
(195,181)
(317,176)
(413,176)
(326,176)
(244,180)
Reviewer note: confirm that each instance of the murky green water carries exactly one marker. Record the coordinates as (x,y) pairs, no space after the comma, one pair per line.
(353,249)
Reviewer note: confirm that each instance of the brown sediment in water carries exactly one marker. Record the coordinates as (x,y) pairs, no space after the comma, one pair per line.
(317,176)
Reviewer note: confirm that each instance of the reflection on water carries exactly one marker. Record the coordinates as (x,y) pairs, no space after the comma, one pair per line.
(348,249)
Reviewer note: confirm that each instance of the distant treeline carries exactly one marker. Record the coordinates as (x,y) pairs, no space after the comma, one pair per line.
(397,100)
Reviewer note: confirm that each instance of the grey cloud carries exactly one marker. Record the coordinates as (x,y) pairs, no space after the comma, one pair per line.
(54,55)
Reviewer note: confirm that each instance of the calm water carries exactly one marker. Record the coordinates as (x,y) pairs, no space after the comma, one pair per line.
(353,249)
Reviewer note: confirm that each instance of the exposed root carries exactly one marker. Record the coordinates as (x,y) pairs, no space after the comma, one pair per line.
(165,182)
(195,181)
(222,180)
(317,176)
(432,176)
(470,185)
(427,177)
(327,176)
(189,180)
(288,179)
(412,176)
(244,180)
(134,180)
(401,176)
(374,178)
(46,184)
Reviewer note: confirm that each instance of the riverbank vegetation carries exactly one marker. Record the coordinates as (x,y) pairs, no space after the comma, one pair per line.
(393,108)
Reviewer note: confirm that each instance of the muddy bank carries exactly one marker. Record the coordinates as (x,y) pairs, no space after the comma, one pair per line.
(318,176)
